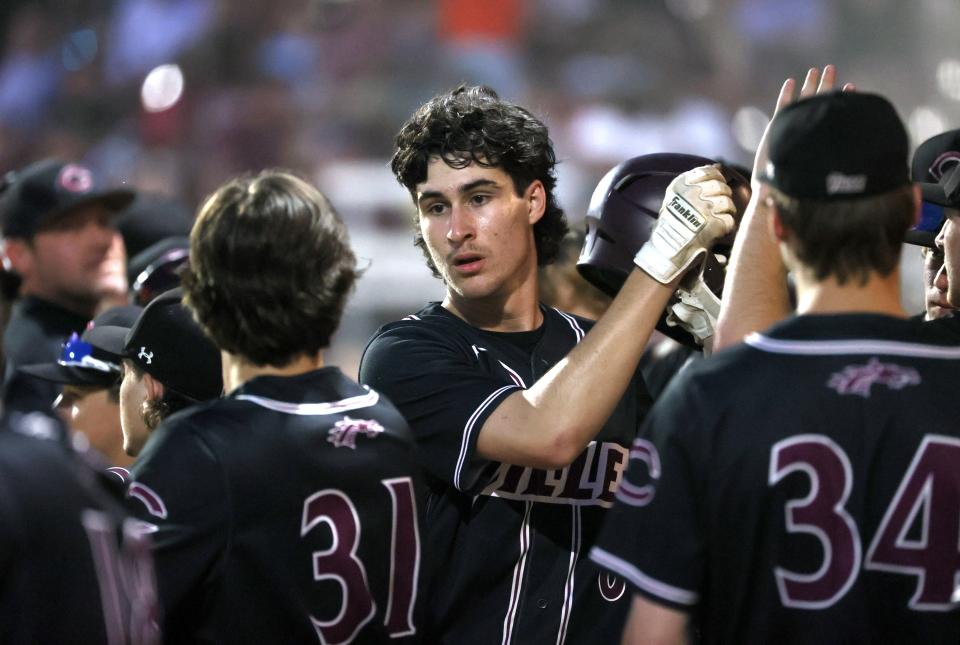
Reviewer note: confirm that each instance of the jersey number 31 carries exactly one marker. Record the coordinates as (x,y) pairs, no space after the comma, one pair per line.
(340,562)
(928,495)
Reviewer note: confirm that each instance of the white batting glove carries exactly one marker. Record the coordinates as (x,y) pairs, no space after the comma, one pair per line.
(697,311)
(697,210)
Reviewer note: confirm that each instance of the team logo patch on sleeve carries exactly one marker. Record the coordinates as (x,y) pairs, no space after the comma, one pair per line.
(344,432)
(859,379)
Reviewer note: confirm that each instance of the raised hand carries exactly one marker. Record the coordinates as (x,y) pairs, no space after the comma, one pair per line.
(815,82)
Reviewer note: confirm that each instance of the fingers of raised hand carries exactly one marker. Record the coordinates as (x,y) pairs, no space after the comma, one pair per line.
(809,87)
(722,208)
(702,174)
(828,80)
(787,91)
(715,188)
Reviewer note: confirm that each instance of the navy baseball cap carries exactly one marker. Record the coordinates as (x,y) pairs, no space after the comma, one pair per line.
(936,164)
(167,343)
(842,145)
(932,162)
(81,363)
(48,189)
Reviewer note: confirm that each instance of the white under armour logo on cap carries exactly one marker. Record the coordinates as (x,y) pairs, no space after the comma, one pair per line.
(145,355)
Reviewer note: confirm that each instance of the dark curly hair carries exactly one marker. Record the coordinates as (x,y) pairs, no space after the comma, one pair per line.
(472,124)
(270,268)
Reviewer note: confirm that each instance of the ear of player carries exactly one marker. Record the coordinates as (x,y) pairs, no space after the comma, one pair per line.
(697,210)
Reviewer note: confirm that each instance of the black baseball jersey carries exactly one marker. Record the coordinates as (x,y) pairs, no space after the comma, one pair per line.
(35,334)
(510,542)
(66,575)
(284,513)
(803,487)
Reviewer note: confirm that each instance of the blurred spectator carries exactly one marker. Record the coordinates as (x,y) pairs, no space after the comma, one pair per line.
(147,33)
(484,40)
(28,72)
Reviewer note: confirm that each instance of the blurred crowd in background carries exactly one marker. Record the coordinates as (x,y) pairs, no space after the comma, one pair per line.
(172,97)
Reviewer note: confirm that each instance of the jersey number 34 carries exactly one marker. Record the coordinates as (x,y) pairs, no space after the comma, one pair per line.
(928,498)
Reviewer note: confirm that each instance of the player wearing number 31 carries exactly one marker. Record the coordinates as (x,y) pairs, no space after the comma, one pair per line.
(285,511)
(802,486)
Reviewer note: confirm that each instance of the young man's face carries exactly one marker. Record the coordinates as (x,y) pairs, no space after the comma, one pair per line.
(94,412)
(133,394)
(478,231)
(935,284)
(949,241)
(77,259)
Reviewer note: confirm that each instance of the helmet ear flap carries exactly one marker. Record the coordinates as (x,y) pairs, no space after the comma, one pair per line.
(623,211)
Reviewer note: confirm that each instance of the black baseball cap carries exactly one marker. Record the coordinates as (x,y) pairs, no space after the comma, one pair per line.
(81,363)
(933,161)
(48,189)
(842,145)
(156,269)
(167,343)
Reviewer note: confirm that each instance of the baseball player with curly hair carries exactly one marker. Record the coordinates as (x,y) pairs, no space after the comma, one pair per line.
(523,414)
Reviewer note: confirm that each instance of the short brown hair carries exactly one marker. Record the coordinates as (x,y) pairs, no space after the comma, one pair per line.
(848,239)
(270,268)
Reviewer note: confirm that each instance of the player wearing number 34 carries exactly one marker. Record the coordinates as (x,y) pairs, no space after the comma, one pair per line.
(284,512)
(802,486)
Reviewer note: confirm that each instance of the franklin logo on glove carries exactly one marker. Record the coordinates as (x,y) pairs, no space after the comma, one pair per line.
(680,206)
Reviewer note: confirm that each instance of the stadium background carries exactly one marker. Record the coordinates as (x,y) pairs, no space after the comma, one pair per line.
(175,96)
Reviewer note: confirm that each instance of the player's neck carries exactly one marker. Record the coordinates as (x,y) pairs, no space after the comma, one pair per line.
(238,370)
(881,295)
(519,310)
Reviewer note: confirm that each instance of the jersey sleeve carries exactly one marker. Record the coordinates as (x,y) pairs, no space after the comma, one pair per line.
(444,395)
(653,536)
(176,490)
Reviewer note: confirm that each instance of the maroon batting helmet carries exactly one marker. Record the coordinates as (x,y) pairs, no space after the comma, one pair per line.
(623,210)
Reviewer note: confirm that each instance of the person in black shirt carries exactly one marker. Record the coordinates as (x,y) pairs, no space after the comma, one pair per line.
(523,414)
(285,512)
(59,239)
(824,511)
(168,364)
(72,567)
